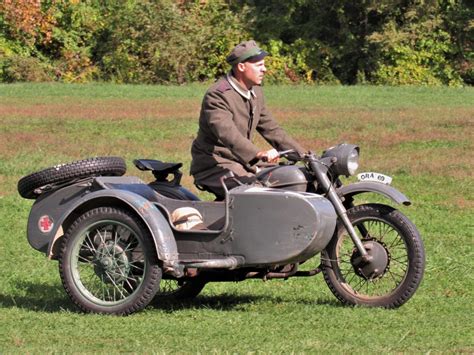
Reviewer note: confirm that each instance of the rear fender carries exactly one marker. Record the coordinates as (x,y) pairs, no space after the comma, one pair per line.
(163,238)
(348,191)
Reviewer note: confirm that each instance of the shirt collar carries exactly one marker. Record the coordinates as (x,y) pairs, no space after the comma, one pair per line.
(247,94)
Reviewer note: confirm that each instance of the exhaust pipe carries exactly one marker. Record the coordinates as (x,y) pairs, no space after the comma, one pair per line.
(227,263)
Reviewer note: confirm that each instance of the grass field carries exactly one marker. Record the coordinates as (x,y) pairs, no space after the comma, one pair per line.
(422,137)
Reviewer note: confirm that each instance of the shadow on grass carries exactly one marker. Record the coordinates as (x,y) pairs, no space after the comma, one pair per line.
(52,298)
(37,297)
(232,302)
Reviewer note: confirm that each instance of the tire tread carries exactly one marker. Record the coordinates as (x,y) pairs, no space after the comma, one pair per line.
(147,293)
(62,173)
(417,261)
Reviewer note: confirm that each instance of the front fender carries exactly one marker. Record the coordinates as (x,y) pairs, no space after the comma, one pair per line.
(163,238)
(348,191)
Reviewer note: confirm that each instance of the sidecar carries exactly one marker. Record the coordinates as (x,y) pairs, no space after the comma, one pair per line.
(116,238)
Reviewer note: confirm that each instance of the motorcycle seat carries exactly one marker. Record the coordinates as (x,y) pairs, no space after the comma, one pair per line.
(157,166)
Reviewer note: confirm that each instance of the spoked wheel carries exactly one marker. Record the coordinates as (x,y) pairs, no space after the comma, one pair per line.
(397,256)
(107,264)
(171,289)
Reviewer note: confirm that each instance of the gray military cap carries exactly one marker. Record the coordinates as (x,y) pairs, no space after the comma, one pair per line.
(245,51)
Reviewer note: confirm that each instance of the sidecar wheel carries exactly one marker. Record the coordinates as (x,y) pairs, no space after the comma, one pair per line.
(107,262)
(397,252)
(175,290)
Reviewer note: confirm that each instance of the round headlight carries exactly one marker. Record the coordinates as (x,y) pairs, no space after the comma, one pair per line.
(347,158)
(353,161)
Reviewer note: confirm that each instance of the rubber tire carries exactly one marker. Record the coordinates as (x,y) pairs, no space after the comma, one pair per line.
(62,173)
(152,278)
(415,252)
(189,290)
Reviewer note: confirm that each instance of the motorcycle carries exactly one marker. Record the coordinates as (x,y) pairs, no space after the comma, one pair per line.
(122,243)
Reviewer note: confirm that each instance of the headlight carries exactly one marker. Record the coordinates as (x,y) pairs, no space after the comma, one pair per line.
(347,158)
(353,161)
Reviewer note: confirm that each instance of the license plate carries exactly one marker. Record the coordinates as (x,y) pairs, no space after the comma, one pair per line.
(374,177)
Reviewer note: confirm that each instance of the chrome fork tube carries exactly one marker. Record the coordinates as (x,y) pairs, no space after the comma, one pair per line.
(321,176)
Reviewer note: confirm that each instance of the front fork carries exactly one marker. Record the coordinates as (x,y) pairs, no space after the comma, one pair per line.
(321,176)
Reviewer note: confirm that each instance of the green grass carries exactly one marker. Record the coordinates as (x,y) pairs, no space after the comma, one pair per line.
(420,136)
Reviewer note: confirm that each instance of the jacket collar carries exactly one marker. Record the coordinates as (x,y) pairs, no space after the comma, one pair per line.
(247,94)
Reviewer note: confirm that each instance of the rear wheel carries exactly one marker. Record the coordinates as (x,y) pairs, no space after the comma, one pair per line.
(107,264)
(397,259)
(171,289)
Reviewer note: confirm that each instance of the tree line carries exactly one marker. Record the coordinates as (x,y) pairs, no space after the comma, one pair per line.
(386,42)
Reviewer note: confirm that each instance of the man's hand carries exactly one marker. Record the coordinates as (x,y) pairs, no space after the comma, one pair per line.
(270,156)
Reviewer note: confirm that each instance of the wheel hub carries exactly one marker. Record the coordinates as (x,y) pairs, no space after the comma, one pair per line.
(112,263)
(375,265)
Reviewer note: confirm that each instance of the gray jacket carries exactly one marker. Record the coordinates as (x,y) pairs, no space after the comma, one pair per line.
(228,120)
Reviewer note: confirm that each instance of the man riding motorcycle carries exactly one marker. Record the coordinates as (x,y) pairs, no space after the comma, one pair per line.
(232,110)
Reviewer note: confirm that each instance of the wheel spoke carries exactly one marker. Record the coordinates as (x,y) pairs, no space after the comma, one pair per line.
(394,249)
(400,258)
(347,273)
(359,285)
(352,278)
(129,284)
(110,269)
(396,281)
(396,274)
(102,238)
(377,231)
(116,287)
(129,246)
(132,265)
(397,264)
(89,244)
(385,230)
(82,258)
(344,262)
(107,263)
(396,242)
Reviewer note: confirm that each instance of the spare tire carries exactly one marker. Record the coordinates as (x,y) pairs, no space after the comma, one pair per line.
(62,173)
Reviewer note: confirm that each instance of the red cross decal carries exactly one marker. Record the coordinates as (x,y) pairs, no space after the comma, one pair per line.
(45,224)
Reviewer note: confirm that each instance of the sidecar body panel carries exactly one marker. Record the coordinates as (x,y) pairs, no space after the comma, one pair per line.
(128,191)
(48,214)
(276,226)
(259,226)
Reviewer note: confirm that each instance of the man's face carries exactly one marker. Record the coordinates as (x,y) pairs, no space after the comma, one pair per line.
(253,72)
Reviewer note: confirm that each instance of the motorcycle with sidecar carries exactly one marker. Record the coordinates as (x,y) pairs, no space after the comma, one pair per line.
(122,243)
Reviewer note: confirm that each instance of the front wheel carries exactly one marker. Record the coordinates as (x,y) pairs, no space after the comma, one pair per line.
(107,263)
(396,265)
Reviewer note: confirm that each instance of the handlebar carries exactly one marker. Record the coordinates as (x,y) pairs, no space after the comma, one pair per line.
(281,154)
(284,153)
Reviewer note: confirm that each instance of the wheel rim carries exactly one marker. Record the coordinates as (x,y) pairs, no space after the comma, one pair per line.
(108,263)
(379,235)
(168,287)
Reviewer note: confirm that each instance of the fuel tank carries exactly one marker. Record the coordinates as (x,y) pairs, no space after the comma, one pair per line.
(273,226)
(288,177)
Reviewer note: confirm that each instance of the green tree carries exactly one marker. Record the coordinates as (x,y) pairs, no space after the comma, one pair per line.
(387,41)
(163,41)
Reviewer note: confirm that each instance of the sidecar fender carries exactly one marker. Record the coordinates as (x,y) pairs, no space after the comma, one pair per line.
(163,238)
(357,188)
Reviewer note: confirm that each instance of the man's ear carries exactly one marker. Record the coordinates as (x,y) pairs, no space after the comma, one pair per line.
(240,67)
